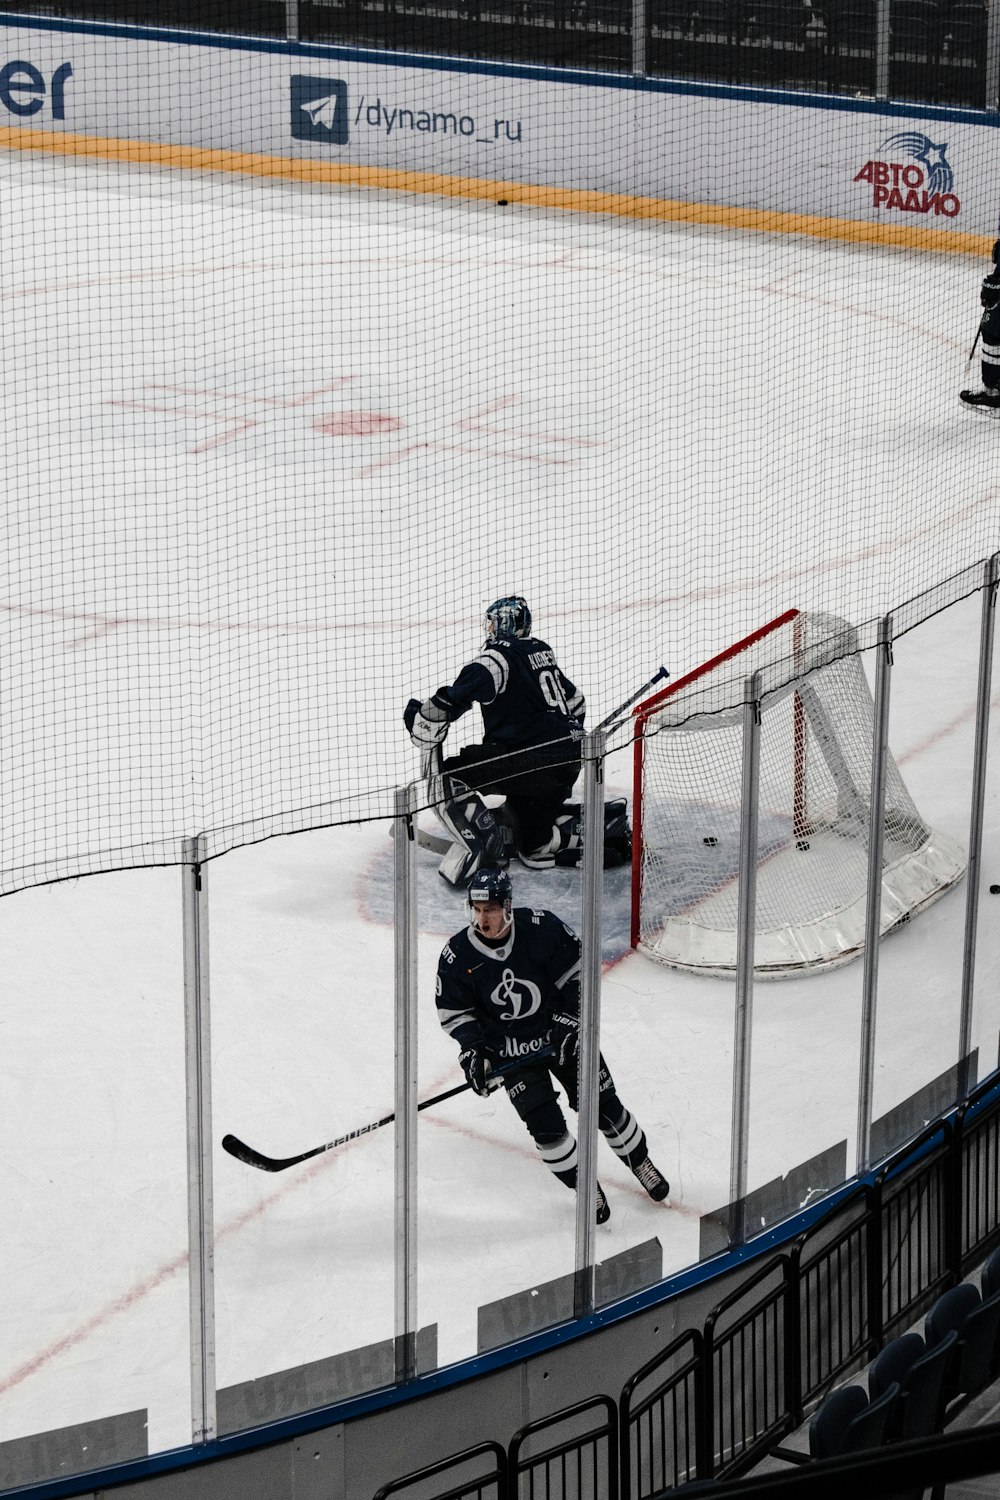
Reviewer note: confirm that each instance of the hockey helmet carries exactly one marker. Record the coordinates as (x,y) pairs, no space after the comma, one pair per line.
(996,252)
(492,884)
(507,619)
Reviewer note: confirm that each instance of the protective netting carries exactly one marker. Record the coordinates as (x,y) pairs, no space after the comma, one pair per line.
(271,446)
(814,810)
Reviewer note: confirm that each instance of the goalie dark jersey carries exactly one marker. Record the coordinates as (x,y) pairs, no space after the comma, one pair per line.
(526,698)
(503,996)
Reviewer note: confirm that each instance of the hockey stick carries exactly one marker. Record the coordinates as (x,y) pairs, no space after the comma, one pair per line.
(611,721)
(430,771)
(245,1153)
(975,341)
(252,1158)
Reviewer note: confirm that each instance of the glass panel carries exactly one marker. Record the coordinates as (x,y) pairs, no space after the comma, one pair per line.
(303,1049)
(496,1229)
(932,720)
(937,53)
(93,1252)
(985,1038)
(806,1001)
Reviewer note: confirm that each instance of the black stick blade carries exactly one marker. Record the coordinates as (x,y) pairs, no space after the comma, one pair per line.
(243,1152)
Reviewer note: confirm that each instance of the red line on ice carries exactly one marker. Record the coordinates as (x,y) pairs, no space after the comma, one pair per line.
(187,390)
(119,1306)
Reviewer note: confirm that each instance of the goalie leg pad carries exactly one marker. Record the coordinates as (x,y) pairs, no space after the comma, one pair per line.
(478,839)
(617,834)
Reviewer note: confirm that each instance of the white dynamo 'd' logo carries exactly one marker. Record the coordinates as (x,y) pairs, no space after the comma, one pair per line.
(322,111)
(523,997)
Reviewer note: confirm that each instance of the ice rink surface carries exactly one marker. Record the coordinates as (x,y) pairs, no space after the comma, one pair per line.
(440,402)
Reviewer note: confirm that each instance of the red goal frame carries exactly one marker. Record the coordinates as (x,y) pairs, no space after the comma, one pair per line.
(643,712)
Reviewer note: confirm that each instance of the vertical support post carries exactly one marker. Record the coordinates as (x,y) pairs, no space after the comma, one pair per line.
(640,31)
(746,921)
(873,904)
(292,20)
(405,937)
(198,1076)
(883,44)
(992,69)
(973,875)
(590,1017)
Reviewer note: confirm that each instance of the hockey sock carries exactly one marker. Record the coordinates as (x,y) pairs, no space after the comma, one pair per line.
(560,1157)
(626,1138)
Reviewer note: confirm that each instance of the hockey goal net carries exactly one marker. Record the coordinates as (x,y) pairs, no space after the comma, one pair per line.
(817,723)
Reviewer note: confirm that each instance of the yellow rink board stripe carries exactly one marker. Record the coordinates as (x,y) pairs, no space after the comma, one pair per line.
(576,200)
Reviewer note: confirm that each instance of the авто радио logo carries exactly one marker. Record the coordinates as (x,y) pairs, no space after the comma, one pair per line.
(319,110)
(914,177)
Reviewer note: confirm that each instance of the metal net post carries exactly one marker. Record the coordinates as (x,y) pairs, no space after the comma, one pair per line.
(198,1064)
(590,1015)
(749,801)
(405,1147)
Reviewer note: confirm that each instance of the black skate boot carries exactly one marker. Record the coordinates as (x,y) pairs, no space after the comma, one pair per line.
(987,399)
(603,1209)
(652,1179)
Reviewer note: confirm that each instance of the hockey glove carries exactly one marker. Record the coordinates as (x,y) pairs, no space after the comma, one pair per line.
(566,1038)
(989,297)
(427,722)
(476,1067)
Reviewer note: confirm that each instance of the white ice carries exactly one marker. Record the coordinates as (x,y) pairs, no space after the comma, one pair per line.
(662,436)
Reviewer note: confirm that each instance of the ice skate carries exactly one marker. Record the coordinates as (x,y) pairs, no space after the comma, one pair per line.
(987,399)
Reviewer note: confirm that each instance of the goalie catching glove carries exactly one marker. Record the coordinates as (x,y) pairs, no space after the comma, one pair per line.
(427,722)
(476,1067)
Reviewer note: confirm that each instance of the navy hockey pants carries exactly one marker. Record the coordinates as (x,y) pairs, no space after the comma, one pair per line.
(536,782)
(532,1094)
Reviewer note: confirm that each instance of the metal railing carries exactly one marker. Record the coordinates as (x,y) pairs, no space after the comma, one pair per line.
(719,1397)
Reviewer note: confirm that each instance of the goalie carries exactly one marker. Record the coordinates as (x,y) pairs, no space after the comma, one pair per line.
(530,753)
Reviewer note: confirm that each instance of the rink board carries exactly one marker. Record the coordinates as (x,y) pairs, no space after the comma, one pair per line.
(843,168)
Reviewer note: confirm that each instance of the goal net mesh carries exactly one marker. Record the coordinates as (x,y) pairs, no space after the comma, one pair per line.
(814,806)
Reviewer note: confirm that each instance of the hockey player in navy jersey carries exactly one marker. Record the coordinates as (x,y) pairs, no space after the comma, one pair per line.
(987,399)
(508,992)
(532,732)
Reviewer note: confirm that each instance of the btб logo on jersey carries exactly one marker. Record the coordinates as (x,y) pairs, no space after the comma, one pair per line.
(319,110)
(914,176)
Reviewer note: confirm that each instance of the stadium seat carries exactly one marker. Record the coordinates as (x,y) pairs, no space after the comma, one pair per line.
(923,1389)
(977,1325)
(894,1363)
(916,28)
(847,1422)
(965,31)
(950,1311)
(989,1278)
(775,22)
(710,18)
(851,26)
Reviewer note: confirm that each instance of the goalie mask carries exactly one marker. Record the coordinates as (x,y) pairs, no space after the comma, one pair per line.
(508,619)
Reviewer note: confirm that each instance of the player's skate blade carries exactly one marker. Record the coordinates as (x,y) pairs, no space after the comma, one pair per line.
(652,1180)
